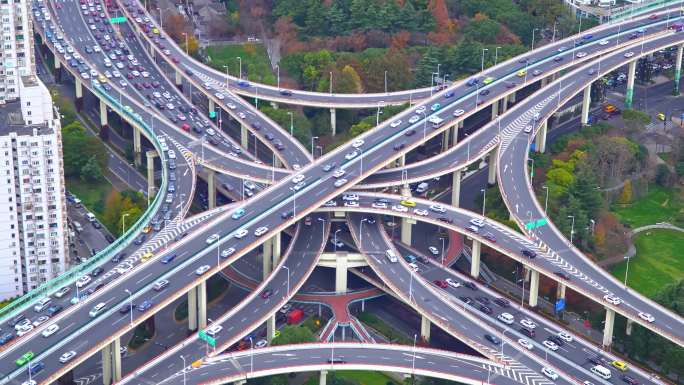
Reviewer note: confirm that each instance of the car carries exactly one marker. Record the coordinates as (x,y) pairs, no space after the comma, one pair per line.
(351,155)
(604,42)
(521,73)
(395,123)
(40,320)
(267,293)
(97,309)
(435,107)
(24,359)
(459,112)
(214,330)
(629,54)
(358,143)
(581,54)
(565,336)
(612,299)
(550,373)
(477,222)
(50,330)
(646,317)
(528,253)
(473,229)
(492,339)
(202,269)
(84,280)
(438,208)
(629,379)
(261,344)
(470,285)
(260,231)
(212,238)
(420,212)
(61,292)
(24,329)
(144,306)
(167,258)
(238,213)
(227,252)
(408,203)
(52,310)
(525,344)
(66,357)
(329,166)
(528,323)
(562,275)
(160,285)
(506,318)
(433,250)
(241,233)
(550,345)
(619,365)
(414,119)
(401,209)
(440,283)
(97,271)
(338,173)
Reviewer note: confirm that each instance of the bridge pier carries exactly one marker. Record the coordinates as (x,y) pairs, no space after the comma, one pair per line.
(197,307)
(586,104)
(628,330)
(511,98)
(445,139)
(79,93)
(323,378)
(678,68)
(534,288)
(192,309)
(333,121)
(456,188)
(424,329)
(211,188)
(275,242)
(244,136)
(630,84)
(495,109)
(137,146)
(270,328)
(212,106)
(179,80)
(540,140)
(475,259)
(104,122)
(491,178)
(150,155)
(341,273)
(504,104)
(58,70)
(560,291)
(608,328)
(267,259)
(111,362)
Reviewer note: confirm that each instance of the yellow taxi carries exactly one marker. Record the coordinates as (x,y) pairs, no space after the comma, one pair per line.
(146,229)
(488,80)
(146,257)
(155,31)
(408,203)
(661,117)
(522,73)
(620,365)
(102,79)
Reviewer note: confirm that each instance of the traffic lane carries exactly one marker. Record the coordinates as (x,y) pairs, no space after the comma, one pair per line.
(298,263)
(459,322)
(516,189)
(125,171)
(406,359)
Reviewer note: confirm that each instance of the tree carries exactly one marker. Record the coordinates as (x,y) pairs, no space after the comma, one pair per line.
(662,176)
(293,334)
(626,193)
(91,171)
(348,81)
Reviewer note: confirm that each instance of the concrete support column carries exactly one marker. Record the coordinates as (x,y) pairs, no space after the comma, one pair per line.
(192,309)
(116,359)
(678,68)
(103,115)
(270,328)
(630,84)
(333,121)
(107,364)
(445,139)
(179,80)
(560,291)
(211,188)
(491,178)
(454,134)
(475,259)
(534,288)
(79,93)
(341,274)
(511,98)
(267,259)
(202,305)
(586,103)
(137,146)
(608,328)
(212,106)
(424,328)
(406,223)
(456,188)
(628,331)
(540,140)
(323,378)
(495,109)
(504,104)
(150,172)
(244,136)
(275,241)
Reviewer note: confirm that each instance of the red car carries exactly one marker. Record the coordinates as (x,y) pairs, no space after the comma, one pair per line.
(185,127)
(653,16)
(441,283)
(266,293)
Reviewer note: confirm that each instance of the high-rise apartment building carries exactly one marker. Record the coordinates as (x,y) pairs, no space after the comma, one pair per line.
(33,236)
(16,47)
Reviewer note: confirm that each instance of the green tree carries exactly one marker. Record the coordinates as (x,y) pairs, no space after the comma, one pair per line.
(483,30)
(626,193)
(662,176)
(91,171)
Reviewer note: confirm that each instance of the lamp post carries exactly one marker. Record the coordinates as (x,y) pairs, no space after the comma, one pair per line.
(251,356)
(161,19)
(413,364)
(123,222)
(546,200)
(130,304)
(278,75)
(288,279)
(483,52)
(484,200)
(331,83)
(626,271)
(227,76)
(424,124)
(335,240)
(291,123)
(572,227)
(411,286)
(533,31)
(438,64)
(496,55)
(184,366)
(377,114)
(218,250)
(240,64)
(313,138)
(502,340)
(442,251)
(385,81)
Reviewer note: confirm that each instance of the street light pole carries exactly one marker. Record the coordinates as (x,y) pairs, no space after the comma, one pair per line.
(291,123)
(240,61)
(443,251)
(313,138)
(483,52)
(572,227)
(496,55)
(533,31)
(385,81)
(546,200)
(331,83)
(335,240)
(484,200)
(184,366)
(278,72)
(288,280)
(123,222)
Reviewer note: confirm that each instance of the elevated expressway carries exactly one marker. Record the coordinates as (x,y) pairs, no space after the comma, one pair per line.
(265,211)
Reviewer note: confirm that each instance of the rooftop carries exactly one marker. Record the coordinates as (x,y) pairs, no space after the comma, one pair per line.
(12,121)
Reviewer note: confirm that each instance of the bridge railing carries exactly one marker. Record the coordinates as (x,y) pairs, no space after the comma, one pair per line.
(632,11)
(71,275)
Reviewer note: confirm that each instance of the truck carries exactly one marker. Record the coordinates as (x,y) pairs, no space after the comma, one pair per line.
(77,226)
(295,316)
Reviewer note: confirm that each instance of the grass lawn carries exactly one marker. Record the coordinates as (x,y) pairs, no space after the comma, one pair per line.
(659,205)
(376,323)
(659,261)
(360,377)
(92,195)
(256,65)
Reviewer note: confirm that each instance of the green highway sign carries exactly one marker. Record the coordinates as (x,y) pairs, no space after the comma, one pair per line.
(538,223)
(212,114)
(204,337)
(118,20)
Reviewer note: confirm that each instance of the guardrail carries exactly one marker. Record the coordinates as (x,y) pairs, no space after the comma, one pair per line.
(74,273)
(631,11)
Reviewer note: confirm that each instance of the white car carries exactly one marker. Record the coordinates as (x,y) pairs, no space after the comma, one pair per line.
(528,129)
(421,212)
(242,115)
(212,238)
(400,208)
(83,281)
(506,318)
(629,54)
(338,173)
(395,123)
(565,336)
(214,330)
(241,233)
(228,252)
(477,222)
(202,269)
(358,143)
(525,344)
(66,357)
(550,373)
(330,204)
(604,42)
(438,208)
(452,283)
(261,344)
(220,96)
(229,105)
(414,267)
(379,205)
(646,317)
(350,197)
(459,112)
(124,268)
(581,54)
(351,155)
(414,119)
(550,344)
(97,309)
(24,329)
(420,109)
(340,182)
(260,231)
(40,320)
(60,293)
(433,250)
(298,178)
(50,330)
(613,299)
(527,323)
(23,323)
(351,204)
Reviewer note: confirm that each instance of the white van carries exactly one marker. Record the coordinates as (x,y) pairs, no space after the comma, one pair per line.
(91,217)
(77,227)
(42,304)
(391,256)
(422,187)
(601,371)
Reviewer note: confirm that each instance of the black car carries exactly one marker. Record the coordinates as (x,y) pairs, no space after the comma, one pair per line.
(630,380)
(445,220)
(117,258)
(97,224)
(467,300)
(486,309)
(557,340)
(140,240)
(126,308)
(562,274)
(286,92)
(502,302)
(370,220)
(492,339)
(422,259)
(470,285)
(482,300)
(410,132)
(16,320)
(528,253)
(336,360)
(286,214)
(528,332)
(97,271)
(596,360)
(399,146)
(52,310)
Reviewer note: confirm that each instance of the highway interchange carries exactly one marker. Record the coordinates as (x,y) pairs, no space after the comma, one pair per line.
(280,206)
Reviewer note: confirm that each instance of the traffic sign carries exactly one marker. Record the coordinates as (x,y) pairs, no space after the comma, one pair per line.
(212,114)
(117,20)
(538,223)
(560,305)
(205,337)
